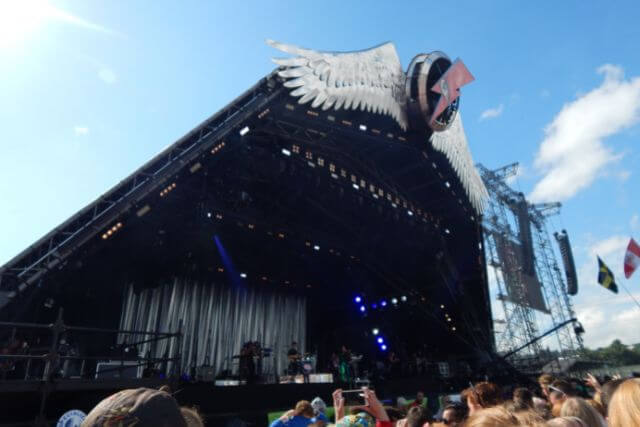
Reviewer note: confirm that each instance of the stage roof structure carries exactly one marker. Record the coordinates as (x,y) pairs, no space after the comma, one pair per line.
(359,167)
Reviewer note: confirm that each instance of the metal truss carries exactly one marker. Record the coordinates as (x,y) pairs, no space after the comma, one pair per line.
(521,324)
(52,251)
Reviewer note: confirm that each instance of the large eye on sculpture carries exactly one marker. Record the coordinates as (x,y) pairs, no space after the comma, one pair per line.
(424,72)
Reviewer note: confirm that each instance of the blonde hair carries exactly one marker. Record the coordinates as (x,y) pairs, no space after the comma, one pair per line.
(492,417)
(578,407)
(624,407)
(566,422)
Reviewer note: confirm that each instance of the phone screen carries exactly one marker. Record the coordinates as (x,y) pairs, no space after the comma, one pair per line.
(353,397)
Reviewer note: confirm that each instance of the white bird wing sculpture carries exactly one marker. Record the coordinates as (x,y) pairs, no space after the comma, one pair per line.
(453,144)
(371,80)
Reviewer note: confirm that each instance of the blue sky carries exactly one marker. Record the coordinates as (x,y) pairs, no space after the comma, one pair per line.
(90,90)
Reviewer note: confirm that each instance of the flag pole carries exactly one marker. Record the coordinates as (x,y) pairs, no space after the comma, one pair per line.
(632,297)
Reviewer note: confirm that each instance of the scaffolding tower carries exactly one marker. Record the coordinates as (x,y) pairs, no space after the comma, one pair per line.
(524,274)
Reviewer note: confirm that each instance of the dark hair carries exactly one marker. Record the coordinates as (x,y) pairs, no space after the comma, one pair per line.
(522,399)
(303,407)
(485,394)
(416,417)
(607,391)
(563,386)
(459,411)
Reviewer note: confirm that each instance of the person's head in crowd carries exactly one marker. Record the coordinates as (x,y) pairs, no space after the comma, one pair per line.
(545,381)
(303,409)
(542,407)
(416,417)
(402,403)
(595,404)
(454,414)
(482,395)
(559,391)
(419,398)
(528,417)
(607,391)
(566,422)
(624,407)
(578,407)
(142,407)
(522,399)
(319,409)
(492,417)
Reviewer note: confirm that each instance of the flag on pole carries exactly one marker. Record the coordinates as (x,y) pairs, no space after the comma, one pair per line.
(631,258)
(605,277)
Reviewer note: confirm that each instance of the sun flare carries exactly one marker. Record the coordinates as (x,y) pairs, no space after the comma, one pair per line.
(20,18)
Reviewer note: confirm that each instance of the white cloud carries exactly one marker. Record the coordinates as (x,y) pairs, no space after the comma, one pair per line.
(573,154)
(81,130)
(492,113)
(66,17)
(634,223)
(107,75)
(602,327)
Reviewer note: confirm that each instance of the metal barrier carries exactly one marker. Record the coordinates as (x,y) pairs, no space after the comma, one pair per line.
(55,363)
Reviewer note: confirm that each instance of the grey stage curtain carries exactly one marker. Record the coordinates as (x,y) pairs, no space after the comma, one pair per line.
(216,321)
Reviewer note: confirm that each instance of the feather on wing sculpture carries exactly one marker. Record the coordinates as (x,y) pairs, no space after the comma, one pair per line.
(453,144)
(371,80)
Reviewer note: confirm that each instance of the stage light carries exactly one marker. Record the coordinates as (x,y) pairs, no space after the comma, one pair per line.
(243,275)
(208,214)
(244,131)
(357,299)
(374,306)
(383,347)
(394,301)
(446,183)
(286,152)
(380,340)
(363,127)
(453,328)
(409,213)
(403,298)
(446,230)
(375,331)
(355,186)
(316,247)
(383,303)
(363,308)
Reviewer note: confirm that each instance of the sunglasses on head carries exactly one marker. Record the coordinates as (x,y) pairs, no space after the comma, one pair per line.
(557,390)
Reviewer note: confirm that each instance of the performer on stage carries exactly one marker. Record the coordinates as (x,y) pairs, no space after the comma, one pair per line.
(345,364)
(294,359)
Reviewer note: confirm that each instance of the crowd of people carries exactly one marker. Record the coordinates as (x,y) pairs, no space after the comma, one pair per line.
(553,402)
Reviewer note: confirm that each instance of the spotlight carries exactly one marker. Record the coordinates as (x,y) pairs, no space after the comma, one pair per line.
(380,340)
(403,298)
(355,186)
(243,275)
(286,152)
(363,308)
(374,305)
(446,230)
(394,301)
(316,247)
(208,214)
(375,331)
(383,303)
(441,306)
(357,299)
(383,347)
(244,131)
(409,213)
